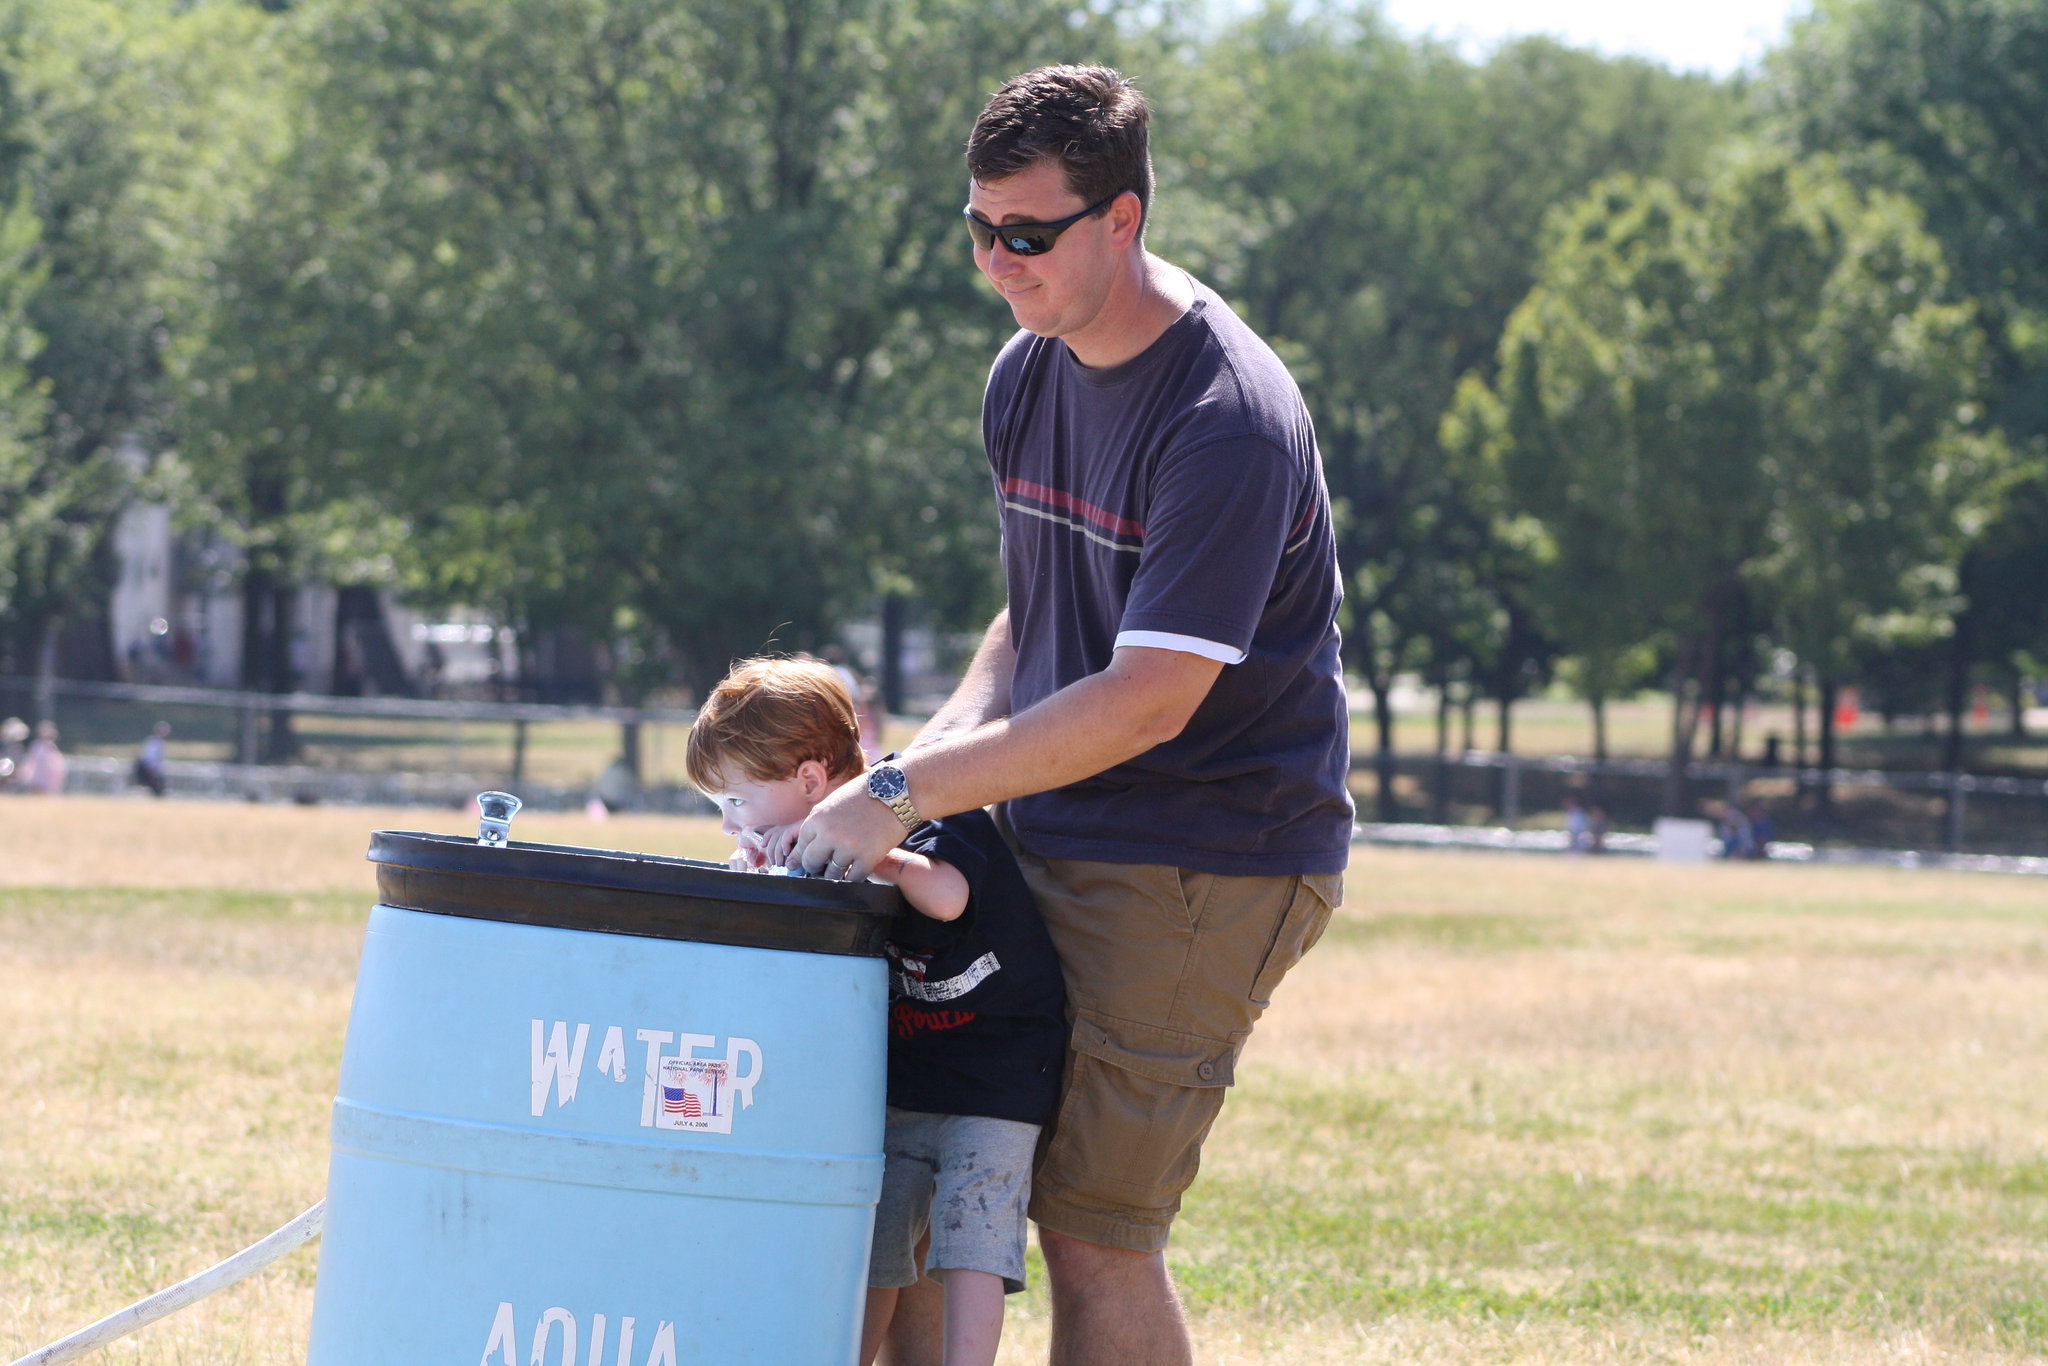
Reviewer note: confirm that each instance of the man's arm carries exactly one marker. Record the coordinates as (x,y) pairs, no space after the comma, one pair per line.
(984,691)
(1144,698)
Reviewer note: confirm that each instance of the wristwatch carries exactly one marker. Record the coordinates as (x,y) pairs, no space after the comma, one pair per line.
(887,785)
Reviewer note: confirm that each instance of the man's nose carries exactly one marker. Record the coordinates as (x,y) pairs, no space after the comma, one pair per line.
(1002,262)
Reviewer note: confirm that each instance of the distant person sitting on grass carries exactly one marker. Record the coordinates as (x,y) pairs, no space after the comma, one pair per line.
(1738,840)
(1760,830)
(977,1016)
(44,767)
(149,764)
(1578,827)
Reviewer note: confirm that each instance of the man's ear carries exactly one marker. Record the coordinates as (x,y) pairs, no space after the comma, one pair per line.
(1126,218)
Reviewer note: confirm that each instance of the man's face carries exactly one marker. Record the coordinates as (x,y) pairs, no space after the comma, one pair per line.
(1061,291)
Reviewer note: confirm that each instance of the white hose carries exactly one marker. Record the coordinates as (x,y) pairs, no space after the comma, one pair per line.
(239,1267)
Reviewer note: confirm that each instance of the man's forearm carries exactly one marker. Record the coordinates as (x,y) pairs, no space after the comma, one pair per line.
(984,691)
(1142,699)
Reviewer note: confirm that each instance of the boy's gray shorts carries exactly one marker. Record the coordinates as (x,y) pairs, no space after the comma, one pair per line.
(968,1177)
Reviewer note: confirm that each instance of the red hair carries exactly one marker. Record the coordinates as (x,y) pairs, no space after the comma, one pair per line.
(767,717)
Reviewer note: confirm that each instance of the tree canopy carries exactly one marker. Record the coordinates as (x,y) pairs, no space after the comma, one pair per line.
(653,323)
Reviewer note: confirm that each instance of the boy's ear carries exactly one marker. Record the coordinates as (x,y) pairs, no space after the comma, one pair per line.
(816,781)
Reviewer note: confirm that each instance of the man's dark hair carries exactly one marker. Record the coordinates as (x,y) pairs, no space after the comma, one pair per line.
(1090,119)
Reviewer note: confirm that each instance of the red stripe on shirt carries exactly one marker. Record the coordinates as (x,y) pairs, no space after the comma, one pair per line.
(1066,502)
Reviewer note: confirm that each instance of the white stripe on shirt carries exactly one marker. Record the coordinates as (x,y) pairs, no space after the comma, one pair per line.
(1187,645)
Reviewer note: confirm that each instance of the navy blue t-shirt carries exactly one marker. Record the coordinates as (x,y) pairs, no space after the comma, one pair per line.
(1177,501)
(977,1007)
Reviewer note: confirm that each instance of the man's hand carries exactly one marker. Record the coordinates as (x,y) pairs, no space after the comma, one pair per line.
(846,835)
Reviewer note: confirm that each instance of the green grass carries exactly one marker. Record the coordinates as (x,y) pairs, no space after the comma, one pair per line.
(1772,1231)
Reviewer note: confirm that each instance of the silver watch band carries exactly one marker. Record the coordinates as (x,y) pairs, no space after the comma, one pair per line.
(905,812)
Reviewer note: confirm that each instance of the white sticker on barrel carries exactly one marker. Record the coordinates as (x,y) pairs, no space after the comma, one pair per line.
(696,1094)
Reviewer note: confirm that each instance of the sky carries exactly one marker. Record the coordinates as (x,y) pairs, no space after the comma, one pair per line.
(1717,36)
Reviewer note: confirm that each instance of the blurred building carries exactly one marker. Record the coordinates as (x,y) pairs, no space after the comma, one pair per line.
(176,616)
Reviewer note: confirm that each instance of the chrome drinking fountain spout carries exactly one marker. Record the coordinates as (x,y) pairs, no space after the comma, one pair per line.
(496,810)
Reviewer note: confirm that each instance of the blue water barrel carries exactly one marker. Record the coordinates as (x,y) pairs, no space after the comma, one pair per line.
(603,1109)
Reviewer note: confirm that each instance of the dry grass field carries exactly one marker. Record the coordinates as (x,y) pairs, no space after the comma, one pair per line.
(1511,1110)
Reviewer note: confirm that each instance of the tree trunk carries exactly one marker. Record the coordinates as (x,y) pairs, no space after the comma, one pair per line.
(1599,706)
(1716,694)
(2016,697)
(1958,692)
(1383,757)
(256,607)
(281,746)
(1439,788)
(46,670)
(1688,687)
(894,609)
(1798,720)
(1468,704)
(1799,717)
(1824,795)
(1735,723)
(263,662)
(629,747)
(1505,801)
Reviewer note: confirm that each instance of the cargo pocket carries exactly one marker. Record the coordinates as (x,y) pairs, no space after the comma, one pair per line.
(1138,1104)
(1307,917)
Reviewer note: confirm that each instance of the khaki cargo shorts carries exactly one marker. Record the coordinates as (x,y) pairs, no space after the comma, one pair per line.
(1166,970)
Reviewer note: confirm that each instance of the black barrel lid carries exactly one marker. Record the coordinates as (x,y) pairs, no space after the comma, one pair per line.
(613,892)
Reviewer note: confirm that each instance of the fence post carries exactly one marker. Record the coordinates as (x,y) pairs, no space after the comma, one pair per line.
(1958,785)
(246,751)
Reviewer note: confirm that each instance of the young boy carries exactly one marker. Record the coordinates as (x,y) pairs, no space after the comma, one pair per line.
(977,1016)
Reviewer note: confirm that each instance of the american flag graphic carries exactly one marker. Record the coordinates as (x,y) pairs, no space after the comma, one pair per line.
(690,1094)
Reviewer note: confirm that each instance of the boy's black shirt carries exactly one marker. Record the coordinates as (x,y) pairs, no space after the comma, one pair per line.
(977,1007)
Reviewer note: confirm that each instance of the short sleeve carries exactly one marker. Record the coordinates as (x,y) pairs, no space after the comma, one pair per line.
(945,841)
(1216,524)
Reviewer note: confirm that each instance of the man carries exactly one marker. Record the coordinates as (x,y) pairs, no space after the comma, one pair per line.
(1159,707)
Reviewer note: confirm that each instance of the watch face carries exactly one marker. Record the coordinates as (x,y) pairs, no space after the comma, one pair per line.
(887,783)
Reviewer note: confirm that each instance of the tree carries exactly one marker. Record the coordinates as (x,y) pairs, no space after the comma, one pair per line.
(649,319)
(1766,390)
(26,493)
(2004,619)
(1875,459)
(1621,425)
(121,130)
(1945,101)
(1374,206)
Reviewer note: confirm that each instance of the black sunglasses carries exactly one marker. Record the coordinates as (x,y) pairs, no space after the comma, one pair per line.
(1026,239)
